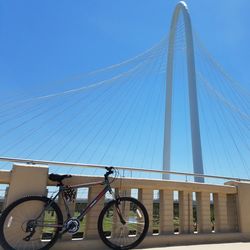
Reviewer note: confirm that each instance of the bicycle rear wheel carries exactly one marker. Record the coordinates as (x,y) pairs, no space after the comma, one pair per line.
(123,223)
(29,223)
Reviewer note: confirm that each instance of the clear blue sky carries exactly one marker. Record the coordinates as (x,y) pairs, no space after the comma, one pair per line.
(47,41)
(43,41)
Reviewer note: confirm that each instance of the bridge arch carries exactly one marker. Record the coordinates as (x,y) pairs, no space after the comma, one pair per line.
(181,7)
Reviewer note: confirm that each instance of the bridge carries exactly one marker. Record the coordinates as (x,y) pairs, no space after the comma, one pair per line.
(177,130)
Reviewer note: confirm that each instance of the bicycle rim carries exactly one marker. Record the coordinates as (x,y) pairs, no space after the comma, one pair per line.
(119,234)
(16,224)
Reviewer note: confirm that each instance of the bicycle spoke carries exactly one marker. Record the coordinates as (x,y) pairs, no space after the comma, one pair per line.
(123,226)
(26,224)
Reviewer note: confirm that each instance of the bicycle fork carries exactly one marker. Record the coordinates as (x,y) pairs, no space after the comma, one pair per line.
(118,210)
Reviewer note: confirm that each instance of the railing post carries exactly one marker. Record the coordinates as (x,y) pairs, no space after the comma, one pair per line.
(93,214)
(203,212)
(124,192)
(26,180)
(5,198)
(146,197)
(243,207)
(220,212)
(232,212)
(166,212)
(186,211)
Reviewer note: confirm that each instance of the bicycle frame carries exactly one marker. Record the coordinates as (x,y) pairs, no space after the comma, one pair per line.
(96,199)
(90,205)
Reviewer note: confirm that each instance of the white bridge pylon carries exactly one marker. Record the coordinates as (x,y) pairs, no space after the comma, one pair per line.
(193,103)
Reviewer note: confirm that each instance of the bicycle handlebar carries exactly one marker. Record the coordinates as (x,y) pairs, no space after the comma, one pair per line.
(109,172)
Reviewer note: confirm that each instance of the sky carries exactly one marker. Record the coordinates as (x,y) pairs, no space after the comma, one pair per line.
(44,42)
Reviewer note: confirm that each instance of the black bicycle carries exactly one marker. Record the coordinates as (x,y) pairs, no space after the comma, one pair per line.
(36,222)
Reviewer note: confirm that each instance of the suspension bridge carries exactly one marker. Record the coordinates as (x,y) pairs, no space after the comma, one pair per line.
(168,118)
(172,107)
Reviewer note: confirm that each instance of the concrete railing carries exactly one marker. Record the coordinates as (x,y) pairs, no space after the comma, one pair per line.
(182,212)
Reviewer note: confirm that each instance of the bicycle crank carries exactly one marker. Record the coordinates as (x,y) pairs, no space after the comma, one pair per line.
(72,225)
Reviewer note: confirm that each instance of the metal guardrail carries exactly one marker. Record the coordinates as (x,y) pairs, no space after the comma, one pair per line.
(82,165)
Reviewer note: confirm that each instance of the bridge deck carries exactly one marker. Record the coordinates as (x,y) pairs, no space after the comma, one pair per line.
(228,246)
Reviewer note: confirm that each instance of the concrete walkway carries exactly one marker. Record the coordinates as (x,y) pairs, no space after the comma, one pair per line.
(229,246)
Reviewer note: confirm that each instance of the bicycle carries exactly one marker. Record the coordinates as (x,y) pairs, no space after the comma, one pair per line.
(36,222)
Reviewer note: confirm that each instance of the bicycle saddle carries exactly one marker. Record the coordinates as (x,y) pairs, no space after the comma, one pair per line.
(58,177)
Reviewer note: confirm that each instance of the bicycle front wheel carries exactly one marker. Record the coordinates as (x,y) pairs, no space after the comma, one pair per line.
(29,223)
(123,223)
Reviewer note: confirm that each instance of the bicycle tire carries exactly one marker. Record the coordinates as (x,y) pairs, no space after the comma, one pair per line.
(131,230)
(31,206)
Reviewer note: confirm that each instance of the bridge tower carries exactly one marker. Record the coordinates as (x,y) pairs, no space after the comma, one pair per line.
(181,7)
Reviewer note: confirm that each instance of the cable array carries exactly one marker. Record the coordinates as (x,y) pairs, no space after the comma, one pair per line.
(115,115)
